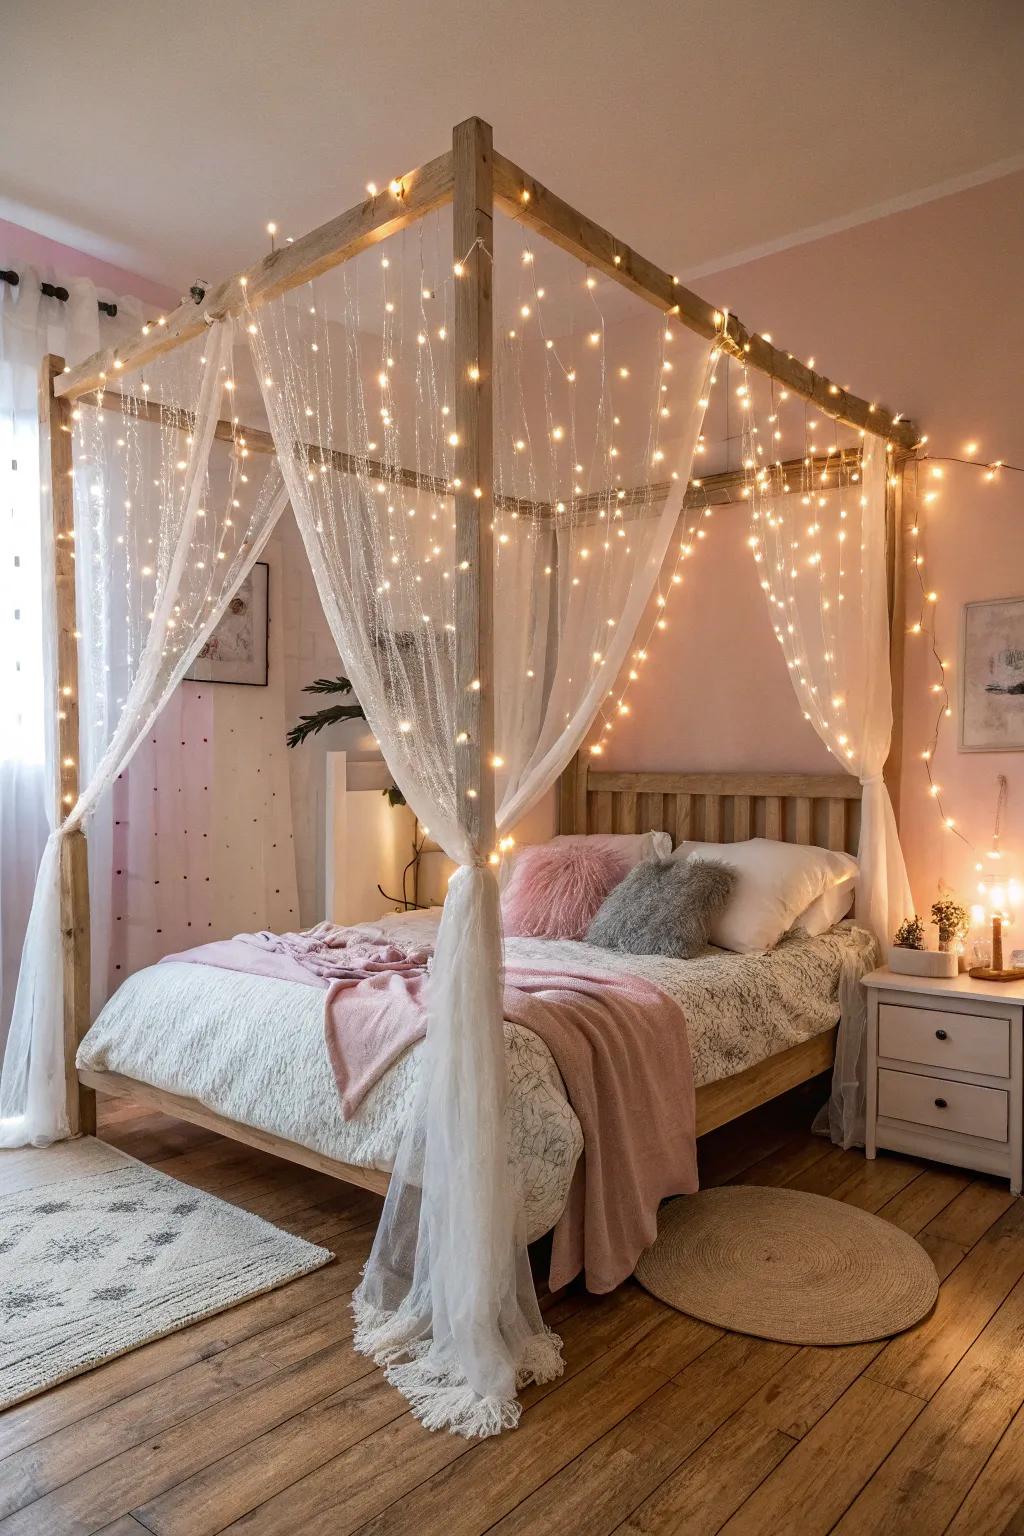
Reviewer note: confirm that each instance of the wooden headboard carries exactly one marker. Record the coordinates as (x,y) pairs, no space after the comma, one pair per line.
(819,808)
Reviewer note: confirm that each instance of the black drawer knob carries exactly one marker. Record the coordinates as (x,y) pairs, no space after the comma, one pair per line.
(941,1104)
(940,1034)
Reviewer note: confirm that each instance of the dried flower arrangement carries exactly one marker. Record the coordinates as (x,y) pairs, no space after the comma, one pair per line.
(951,918)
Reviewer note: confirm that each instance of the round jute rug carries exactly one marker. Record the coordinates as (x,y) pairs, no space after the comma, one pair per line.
(786,1265)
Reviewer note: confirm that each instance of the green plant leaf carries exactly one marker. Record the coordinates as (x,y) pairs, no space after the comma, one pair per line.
(309,725)
(328,685)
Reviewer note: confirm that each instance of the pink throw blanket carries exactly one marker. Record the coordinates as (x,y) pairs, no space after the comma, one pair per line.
(619,1042)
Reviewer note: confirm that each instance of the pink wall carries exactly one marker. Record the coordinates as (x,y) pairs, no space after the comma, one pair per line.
(23,247)
(922,310)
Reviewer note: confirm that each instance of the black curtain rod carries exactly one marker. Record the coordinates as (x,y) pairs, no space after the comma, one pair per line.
(52,291)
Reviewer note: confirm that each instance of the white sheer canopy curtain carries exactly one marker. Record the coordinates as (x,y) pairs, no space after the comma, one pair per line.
(31,325)
(821,552)
(166,529)
(597,407)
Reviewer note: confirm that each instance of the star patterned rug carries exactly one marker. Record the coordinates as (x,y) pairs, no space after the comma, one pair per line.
(99,1254)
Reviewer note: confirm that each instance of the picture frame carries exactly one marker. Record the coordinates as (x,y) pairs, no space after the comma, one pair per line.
(992,676)
(238,651)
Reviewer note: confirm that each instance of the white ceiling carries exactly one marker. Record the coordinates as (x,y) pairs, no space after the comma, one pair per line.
(163,137)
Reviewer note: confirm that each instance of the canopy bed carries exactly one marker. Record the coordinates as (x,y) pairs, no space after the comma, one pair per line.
(487,516)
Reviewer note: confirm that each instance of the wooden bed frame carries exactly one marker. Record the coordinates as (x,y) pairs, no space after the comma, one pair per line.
(823,809)
(714,807)
(475,179)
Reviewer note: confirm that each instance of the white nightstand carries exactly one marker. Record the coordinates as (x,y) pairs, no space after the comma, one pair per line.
(944,1071)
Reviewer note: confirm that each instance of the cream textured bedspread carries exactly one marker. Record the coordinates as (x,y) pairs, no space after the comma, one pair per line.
(252,1048)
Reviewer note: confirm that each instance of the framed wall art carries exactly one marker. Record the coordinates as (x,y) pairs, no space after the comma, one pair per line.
(992,676)
(237,651)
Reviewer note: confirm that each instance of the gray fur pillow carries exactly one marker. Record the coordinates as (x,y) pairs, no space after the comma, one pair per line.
(663,907)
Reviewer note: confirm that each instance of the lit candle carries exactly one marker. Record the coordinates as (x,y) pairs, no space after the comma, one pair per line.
(1002,900)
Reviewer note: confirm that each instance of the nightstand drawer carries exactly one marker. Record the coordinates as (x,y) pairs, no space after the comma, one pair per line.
(964,1042)
(960,1107)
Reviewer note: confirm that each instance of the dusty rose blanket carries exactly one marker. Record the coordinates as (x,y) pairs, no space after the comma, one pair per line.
(619,1042)
(622,1048)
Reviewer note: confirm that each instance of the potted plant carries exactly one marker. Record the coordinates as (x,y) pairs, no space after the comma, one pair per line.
(908,956)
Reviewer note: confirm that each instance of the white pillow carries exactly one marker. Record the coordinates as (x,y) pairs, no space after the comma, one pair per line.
(776,883)
(829,908)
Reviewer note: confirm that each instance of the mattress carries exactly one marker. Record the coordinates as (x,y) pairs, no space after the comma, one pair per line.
(252,1048)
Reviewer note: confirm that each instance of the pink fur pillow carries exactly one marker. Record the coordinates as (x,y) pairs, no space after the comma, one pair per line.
(556,889)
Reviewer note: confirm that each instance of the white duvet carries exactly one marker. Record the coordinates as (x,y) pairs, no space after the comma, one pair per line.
(252,1048)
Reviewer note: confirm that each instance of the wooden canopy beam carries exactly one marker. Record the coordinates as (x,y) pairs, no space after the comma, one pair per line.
(705,490)
(533,204)
(258,440)
(417,193)
(528,200)
(720,489)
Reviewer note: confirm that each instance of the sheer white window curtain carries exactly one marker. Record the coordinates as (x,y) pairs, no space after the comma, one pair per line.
(165,534)
(31,325)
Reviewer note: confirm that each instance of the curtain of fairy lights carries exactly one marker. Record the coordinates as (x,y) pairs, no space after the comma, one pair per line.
(598,404)
(596,415)
(167,525)
(818,537)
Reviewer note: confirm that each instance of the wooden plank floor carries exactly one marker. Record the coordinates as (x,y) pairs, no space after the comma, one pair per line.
(263,1420)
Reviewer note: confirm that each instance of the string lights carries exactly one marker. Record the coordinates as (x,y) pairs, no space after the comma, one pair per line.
(689,536)
(924,626)
(573,509)
(764,481)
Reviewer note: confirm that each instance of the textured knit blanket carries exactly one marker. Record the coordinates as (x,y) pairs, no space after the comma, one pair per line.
(619,1042)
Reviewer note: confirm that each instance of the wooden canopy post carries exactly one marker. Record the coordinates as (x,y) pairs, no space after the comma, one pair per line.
(900,490)
(473,257)
(55,424)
